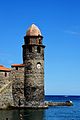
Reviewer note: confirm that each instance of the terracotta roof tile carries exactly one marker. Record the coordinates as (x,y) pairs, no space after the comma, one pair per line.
(17,65)
(2,68)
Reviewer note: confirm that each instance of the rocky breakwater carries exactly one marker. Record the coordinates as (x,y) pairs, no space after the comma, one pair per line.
(67,103)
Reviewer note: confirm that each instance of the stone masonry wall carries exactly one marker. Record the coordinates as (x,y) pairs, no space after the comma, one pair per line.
(6,98)
(18,86)
(34,77)
(4,78)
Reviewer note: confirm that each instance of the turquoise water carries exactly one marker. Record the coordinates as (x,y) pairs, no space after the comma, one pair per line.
(52,113)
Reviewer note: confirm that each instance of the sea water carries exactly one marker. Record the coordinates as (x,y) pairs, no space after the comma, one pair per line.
(52,113)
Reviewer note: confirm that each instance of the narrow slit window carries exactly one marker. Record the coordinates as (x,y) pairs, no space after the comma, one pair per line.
(39,41)
(5,74)
(16,68)
(38,49)
(30,48)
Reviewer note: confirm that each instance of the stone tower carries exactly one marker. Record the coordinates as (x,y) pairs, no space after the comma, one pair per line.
(33,59)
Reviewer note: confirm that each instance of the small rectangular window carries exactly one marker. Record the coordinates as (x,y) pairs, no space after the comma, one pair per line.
(38,49)
(16,68)
(5,74)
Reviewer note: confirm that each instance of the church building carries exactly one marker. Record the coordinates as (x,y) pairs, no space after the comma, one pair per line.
(27,79)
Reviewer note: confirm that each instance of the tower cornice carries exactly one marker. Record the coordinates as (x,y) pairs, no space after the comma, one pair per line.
(34,45)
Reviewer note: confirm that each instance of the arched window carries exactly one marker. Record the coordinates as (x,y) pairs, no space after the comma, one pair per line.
(38,49)
(40,42)
(27,41)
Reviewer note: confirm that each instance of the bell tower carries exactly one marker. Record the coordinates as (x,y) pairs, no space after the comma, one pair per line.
(33,58)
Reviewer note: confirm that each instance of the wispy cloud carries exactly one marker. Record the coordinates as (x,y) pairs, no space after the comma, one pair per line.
(72,32)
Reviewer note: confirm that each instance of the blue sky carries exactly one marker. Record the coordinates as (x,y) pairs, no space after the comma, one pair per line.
(59,22)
